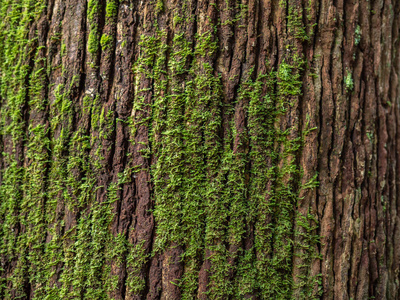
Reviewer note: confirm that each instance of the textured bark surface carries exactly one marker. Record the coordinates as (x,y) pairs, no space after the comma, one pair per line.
(210,149)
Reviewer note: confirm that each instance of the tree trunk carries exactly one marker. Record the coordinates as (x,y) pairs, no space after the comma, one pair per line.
(199,149)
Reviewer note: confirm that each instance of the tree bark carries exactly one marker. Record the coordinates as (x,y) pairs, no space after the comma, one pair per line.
(210,149)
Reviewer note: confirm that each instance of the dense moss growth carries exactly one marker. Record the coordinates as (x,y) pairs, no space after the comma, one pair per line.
(224,175)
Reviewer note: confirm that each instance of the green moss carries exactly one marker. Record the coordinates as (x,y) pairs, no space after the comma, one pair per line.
(22,189)
(215,182)
(94,35)
(168,177)
(106,42)
(295,23)
(111,8)
(137,257)
(93,42)
(348,81)
(159,6)
(357,35)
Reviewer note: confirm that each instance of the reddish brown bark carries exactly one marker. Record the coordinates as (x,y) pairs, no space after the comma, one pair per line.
(107,118)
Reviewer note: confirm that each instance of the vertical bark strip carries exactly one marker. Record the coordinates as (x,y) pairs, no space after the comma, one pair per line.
(210,149)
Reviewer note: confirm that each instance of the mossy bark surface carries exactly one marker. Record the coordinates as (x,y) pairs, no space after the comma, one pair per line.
(199,149)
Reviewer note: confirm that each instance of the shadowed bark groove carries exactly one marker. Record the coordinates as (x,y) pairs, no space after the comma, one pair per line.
(199,149)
